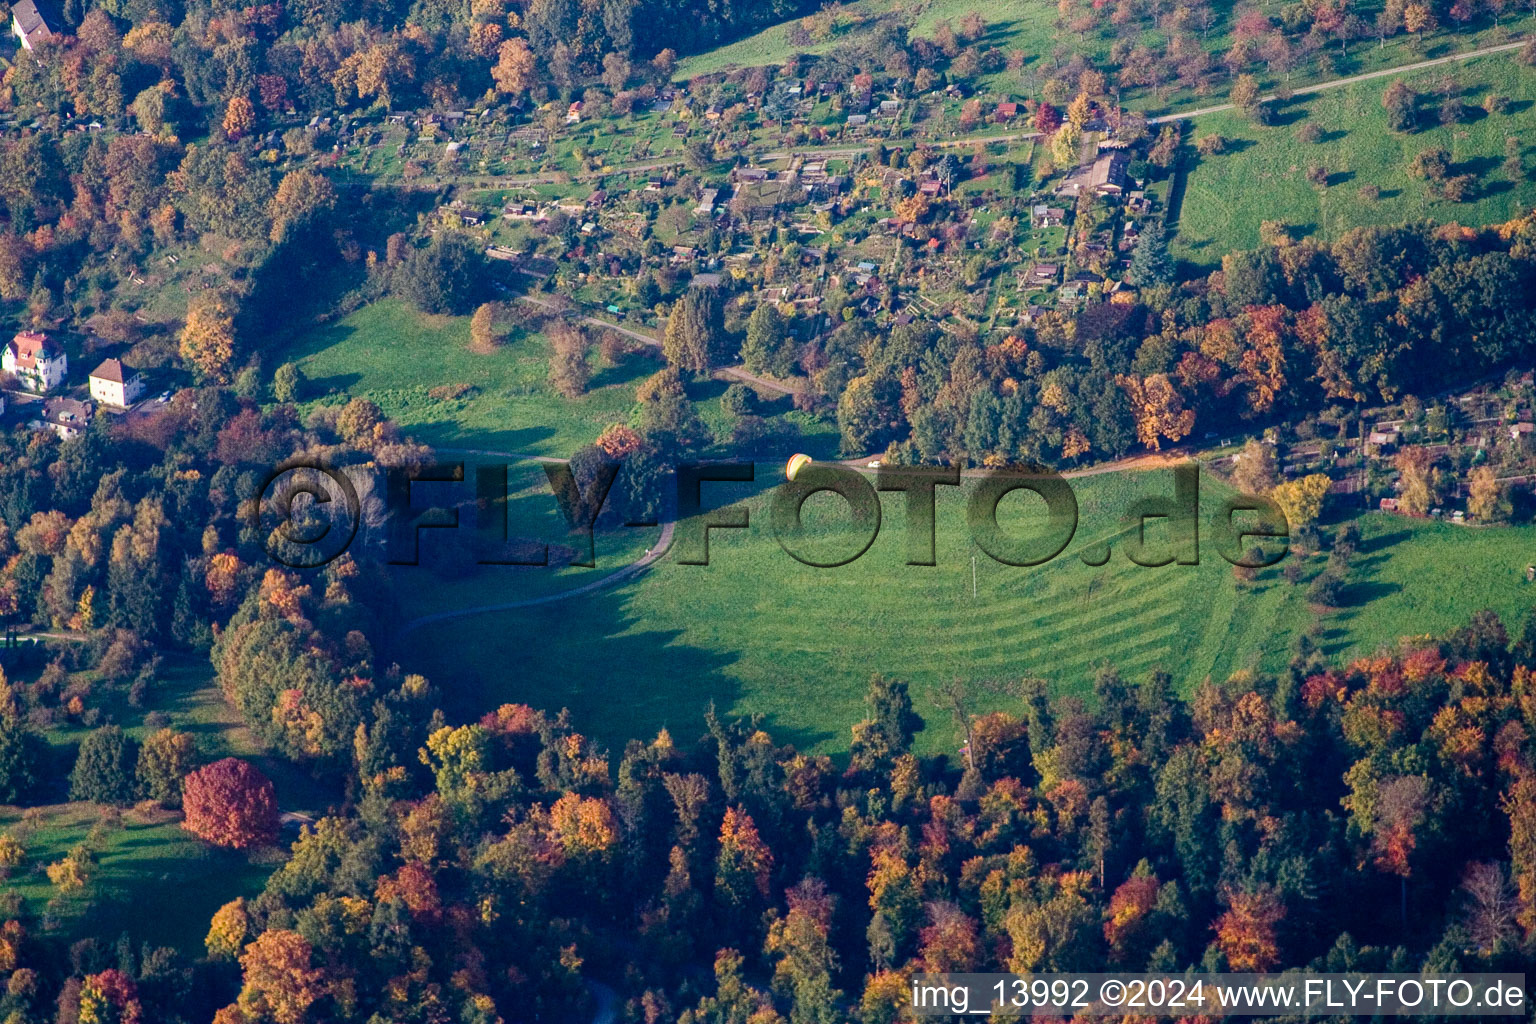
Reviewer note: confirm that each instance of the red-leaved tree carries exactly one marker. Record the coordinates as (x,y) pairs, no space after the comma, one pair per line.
(230,803)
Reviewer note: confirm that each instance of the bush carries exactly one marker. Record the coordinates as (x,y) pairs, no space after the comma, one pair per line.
(1326,589)
(739,400)
(1211,145)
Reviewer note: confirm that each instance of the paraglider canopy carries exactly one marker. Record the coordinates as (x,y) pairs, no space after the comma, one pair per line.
(796,463)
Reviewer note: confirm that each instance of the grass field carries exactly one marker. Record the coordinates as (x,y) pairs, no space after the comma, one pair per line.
(394,355)
(150,879)
(1027,24)
(390,353)
(756,631)
(1263,176)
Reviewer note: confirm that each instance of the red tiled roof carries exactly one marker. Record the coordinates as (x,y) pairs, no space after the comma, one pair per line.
(30,346)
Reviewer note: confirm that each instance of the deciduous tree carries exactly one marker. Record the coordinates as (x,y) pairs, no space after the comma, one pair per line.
(230,803)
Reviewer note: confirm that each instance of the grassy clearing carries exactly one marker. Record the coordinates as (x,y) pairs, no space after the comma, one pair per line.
(1263,175)
(150,879)
(756,631)
(395,356)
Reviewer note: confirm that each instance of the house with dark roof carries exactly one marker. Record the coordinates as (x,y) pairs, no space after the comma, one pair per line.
(33,22)
(116,385)
(66,417)
(36,359)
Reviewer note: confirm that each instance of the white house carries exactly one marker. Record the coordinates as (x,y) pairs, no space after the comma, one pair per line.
(32,23)
(117,385)
(36,359)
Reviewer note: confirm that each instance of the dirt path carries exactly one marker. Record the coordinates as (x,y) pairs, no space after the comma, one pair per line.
(1339,83)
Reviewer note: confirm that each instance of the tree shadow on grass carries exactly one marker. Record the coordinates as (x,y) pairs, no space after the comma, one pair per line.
(1381,542)
(450,435)
(1357,595)
(628,371)
(335,384)
(619,679)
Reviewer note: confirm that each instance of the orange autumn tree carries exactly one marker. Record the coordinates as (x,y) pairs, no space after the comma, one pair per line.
(743,866)
(1262,365)
(1245,933)
(280,984)
(1519,802)
(415,886)
(230,803)
(1129,908)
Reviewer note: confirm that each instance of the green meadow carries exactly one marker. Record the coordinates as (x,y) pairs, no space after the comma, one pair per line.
(1263,175)
(1031,27)
(757,632)
(396,356)
(150,879)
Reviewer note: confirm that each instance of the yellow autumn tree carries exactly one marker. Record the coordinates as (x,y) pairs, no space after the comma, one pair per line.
(208,339)
(1158,409)
(228,930)
(1302,500)
(583,826)
(1064,144)
(1080,110)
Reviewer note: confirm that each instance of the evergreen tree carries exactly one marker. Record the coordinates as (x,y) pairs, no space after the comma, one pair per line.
(1151,264)
(21,758)
(104,768)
